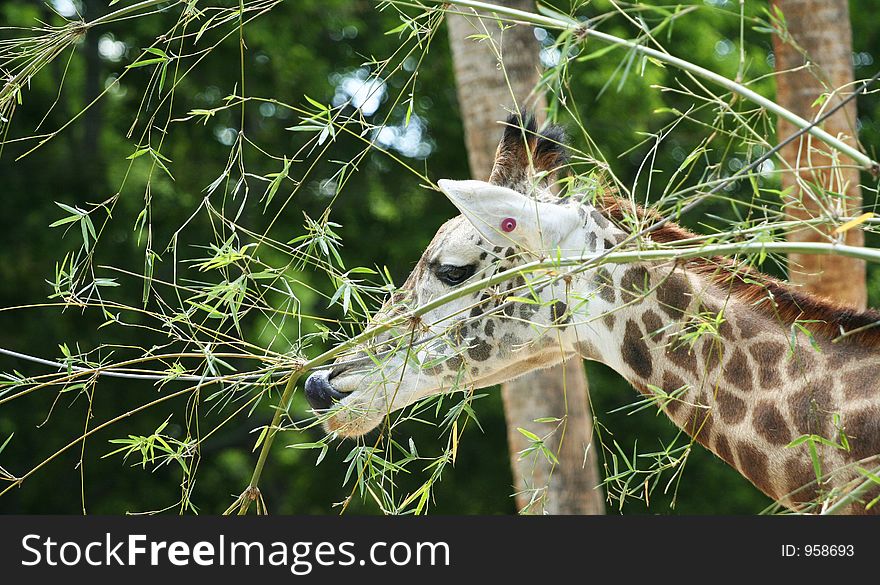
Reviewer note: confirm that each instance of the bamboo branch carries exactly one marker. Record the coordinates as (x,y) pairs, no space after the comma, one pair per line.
(561,22)
(252,492)
(128,10)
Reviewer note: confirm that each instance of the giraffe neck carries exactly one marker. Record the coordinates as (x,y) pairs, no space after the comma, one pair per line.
(735,378)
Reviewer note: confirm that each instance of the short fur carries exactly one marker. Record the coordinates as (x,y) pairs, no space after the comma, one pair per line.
(823,317)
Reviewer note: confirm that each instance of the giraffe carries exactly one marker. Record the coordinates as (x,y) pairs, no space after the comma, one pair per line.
(741,362)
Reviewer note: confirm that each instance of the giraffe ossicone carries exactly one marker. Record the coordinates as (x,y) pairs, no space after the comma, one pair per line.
(721,347)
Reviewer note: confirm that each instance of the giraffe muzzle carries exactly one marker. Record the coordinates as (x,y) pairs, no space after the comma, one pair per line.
(320,393)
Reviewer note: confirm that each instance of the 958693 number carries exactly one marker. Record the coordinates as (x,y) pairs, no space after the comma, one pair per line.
(829,550)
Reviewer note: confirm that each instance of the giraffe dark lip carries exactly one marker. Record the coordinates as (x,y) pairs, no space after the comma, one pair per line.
(320,393)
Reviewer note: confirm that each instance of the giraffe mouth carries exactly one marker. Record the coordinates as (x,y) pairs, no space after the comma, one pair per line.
(342,412)
(321,393)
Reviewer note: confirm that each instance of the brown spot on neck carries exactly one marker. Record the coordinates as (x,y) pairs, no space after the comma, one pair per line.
(753,464)
(699,421)
(717,314)
(801,363)
(653,325)
(731,408)
(674,295)
(863,432)
(748,325)
(722,449)
(737,371)
(609,319)
(599,219)
(634,284)
(767,356)
(680,354)
(801,480)
(480,350)
(603,281)
(812,408)
(642,388)
(635,351)
(672,383)
(559,314)
(713,353)
(768,423)
(863,382)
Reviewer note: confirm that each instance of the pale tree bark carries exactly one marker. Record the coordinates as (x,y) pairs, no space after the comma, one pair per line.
(560,392)
(820,49)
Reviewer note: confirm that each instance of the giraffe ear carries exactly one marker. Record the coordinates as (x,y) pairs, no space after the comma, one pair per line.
(505,217)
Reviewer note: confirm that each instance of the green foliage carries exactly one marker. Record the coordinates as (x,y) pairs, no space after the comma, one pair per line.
(215,186)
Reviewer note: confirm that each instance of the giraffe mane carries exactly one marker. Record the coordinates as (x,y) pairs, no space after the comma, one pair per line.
(823,317)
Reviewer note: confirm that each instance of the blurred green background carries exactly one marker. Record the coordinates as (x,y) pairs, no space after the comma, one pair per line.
(314,48)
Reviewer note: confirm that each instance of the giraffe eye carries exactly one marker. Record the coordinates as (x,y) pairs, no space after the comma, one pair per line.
(452,274)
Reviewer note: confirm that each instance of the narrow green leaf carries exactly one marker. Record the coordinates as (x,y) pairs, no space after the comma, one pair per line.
(260,438)
(317,104)
(145,62)
(6,442)
(529,435)
(157,51)
(547,419)
(66,220)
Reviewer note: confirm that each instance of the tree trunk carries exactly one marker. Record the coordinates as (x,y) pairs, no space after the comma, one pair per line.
(571,486)
(91,178)
(821,38)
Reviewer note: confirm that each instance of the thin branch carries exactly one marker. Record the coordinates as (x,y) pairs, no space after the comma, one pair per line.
(584,31)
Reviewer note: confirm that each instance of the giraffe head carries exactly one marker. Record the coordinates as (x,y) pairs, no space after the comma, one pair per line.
(478,339)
